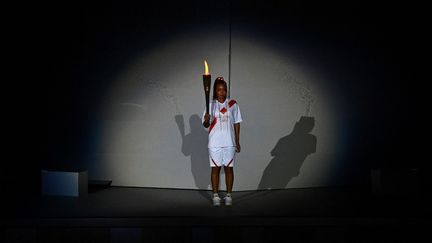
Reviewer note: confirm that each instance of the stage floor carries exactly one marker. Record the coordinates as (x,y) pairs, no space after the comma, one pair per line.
(129,206)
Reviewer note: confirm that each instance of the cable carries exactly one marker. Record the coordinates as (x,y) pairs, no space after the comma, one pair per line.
(229,51)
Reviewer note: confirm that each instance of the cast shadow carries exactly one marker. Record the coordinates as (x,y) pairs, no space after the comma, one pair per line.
(194,145)
(289,154)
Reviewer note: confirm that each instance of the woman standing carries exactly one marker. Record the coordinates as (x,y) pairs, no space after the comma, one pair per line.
(224,138)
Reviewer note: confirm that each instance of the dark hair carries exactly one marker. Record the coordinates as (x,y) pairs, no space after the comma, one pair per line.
(219,80)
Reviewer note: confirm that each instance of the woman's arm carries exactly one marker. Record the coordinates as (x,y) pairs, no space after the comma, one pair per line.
(237,136)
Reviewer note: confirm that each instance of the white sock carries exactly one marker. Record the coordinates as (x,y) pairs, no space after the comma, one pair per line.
(215,194)
(228,194)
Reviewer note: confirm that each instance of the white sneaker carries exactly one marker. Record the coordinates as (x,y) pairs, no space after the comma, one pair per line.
(228,200)
(216,200)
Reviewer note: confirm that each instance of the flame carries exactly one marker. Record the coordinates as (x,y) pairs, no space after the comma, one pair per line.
(206,68)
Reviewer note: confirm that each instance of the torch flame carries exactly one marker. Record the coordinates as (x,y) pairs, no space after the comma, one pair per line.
(206,68)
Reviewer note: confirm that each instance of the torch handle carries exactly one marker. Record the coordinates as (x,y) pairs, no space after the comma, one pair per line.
(206,83)
(207,103)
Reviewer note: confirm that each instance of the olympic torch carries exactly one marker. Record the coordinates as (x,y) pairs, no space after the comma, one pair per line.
(206,83)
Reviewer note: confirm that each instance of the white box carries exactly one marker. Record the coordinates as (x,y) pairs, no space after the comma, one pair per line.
(64,183)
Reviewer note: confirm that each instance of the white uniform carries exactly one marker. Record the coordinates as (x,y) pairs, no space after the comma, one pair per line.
(221,140)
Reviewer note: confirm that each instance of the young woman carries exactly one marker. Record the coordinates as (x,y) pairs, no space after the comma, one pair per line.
(223,122)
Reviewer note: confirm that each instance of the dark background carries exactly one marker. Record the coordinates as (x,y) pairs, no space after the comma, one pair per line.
(62,56)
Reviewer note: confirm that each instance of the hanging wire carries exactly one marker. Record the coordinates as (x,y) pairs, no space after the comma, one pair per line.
(229,51)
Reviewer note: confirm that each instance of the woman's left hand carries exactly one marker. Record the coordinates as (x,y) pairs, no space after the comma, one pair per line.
(238,148)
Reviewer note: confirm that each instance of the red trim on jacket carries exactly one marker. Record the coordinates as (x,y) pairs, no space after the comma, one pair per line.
(212,124)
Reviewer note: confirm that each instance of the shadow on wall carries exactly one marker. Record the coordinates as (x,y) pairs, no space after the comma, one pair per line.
(289,154)
(194,145)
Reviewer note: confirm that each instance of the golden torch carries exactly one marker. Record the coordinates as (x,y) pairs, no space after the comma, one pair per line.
(206,83)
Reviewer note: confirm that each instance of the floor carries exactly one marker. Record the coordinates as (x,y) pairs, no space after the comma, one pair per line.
(180,215)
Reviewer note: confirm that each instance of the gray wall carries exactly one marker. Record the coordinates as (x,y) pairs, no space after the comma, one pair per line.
(105,87)
(151,132)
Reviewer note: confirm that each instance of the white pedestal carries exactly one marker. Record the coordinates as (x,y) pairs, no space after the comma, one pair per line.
(64,183)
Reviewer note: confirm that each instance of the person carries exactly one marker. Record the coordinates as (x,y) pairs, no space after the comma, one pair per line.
(223,123)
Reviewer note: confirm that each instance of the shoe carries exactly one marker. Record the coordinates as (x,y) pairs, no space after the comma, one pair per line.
(216,200)
(228,200)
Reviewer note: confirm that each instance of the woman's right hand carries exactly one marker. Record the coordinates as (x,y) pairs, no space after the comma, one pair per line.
(207,117)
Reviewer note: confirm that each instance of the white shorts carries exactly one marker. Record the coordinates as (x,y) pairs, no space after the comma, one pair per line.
(222,156)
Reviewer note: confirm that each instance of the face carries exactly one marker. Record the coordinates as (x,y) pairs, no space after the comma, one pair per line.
(220,92)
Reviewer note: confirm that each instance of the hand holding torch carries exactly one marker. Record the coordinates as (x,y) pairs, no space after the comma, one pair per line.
(206,83)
